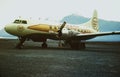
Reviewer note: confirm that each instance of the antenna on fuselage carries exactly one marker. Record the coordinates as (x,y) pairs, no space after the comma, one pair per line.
(19,17)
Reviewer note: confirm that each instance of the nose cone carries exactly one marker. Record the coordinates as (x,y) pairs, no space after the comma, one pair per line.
(10,29)
(7,28)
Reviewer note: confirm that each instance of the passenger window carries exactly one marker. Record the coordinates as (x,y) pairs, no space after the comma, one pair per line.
(55,27)
(50,27)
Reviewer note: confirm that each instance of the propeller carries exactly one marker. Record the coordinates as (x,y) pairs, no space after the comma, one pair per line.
(60,30)
(60,33)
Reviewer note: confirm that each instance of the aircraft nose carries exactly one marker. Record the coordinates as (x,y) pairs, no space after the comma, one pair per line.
(6,28)
(9,29)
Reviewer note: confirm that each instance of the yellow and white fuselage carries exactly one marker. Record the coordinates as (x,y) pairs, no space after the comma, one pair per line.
(23,28)
(40,32)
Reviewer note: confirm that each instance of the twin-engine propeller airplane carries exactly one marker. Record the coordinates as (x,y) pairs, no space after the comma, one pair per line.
(71,34)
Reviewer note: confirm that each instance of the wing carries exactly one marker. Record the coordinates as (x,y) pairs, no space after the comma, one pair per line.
(92,35)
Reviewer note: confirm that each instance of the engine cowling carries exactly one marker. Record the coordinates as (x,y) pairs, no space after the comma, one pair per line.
(68,33)
(65,31)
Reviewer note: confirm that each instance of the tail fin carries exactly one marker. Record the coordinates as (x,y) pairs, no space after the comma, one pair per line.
(93,22)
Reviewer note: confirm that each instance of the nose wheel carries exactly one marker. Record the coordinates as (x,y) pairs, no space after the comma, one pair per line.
(21,43)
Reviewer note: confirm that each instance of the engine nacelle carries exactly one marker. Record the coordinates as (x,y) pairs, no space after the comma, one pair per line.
(68,33)
(65,31)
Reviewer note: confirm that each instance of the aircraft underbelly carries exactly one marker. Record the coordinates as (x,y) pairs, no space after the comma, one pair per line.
(38,37)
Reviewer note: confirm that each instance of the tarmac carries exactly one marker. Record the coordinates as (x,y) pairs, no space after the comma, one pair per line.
(97,60)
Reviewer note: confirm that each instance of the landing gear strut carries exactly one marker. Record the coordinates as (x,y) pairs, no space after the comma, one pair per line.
(77,45)
(60,44)
(44,45)
(20,44)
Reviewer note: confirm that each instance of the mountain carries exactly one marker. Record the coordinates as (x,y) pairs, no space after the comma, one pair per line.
(76,19)
(3,33)
(104,26)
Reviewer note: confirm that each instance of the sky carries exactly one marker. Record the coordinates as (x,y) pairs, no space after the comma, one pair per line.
(57,9)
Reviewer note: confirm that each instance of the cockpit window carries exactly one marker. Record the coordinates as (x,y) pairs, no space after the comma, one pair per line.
(24,22)
(17,21)
(20,21)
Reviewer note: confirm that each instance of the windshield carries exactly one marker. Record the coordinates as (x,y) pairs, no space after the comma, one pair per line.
(20,22)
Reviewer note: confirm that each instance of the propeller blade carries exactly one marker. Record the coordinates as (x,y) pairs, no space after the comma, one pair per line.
(60,31)
(62,26)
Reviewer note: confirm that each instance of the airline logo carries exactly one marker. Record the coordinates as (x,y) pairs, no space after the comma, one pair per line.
(20,28)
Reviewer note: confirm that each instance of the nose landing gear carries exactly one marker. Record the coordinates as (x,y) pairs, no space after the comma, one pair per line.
(21,43)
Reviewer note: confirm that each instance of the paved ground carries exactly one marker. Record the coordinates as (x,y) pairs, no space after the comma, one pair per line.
(97,60)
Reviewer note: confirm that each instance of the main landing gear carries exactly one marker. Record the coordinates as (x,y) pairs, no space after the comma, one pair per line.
(44,45)
(77,45)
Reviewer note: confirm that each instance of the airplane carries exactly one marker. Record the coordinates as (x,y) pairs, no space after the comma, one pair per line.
(70,34)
